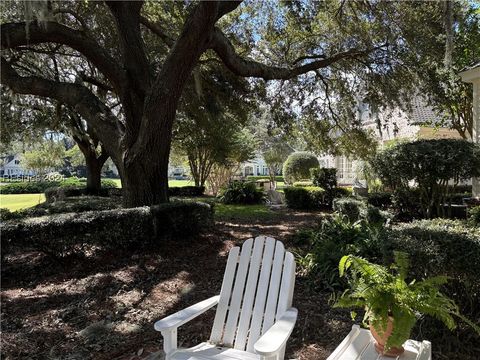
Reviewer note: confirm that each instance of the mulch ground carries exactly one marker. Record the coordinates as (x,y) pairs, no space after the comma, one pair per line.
(103,306)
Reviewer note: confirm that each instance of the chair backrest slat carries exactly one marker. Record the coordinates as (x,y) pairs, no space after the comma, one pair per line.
(237,295)
(288,282)
(225,293)
(261,297)
(262,279)
(273,291)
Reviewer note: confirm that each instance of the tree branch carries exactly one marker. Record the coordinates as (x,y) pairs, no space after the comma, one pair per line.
(94,81)
(157,29)
(249,68)
(14,35)
(77,96)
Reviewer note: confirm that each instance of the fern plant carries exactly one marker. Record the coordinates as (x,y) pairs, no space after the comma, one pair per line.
(385,293)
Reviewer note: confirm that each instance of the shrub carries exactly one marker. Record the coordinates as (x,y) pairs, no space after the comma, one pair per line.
(351,208)
(6,214)
(297,166)
(240,192)
(474,216)
(354,210)
(333,238)
(304,198)
(406,205)
(263,177)
(381,200)
(34,187)
(343,191)
(72,204)
(302,183)
(431,164)
(443,247)
(61,235)
(186,191)
(325,178)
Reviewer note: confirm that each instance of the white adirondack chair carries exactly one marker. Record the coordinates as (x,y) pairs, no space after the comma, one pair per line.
(254,317)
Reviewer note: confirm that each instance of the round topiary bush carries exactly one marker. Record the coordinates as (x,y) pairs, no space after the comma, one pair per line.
(297,166)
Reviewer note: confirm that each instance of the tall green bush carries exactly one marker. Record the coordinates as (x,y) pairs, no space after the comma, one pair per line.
(297,166)
(435,166)
(242,192)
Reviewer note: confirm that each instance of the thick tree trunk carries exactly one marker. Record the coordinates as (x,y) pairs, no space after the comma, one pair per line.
(94,174)
(145,175)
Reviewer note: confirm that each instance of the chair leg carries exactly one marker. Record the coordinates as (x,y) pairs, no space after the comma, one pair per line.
(169,342)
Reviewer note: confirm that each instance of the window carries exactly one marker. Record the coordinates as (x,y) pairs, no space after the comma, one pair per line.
(17,162)
(348,171)
(339,166)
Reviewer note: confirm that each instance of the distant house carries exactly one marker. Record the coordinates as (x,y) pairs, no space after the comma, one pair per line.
(395,125)
(10,165)
(254,167)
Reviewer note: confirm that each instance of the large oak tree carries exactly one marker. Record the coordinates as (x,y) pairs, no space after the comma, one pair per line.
(326,45)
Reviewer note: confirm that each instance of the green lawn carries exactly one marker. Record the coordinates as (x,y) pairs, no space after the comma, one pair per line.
(15,202)
(171,183)
(243,212)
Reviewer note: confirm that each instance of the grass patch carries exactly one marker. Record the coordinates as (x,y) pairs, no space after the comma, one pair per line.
(243,212)
(171,183)
(14,202)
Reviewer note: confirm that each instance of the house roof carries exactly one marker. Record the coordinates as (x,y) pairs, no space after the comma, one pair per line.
(421,112)
(8,158)
(471,73)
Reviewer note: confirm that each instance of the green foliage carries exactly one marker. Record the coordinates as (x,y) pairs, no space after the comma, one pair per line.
(343,191)
(329,241)
(351,208)
(304,198)
(240,192)
(385,293)
(297,166)
(303,183)
(474,216)
(59,235)
(186,191)
(354,210)
(431,164)
(6,214)
(34,187)
(381,200)
(326,178)
(264,177)
(47,156)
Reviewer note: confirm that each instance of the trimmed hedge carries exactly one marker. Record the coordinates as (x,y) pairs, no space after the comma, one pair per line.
(186,191)
(264,177)
(302,183)
(304,198)
(34,187)
(64,234)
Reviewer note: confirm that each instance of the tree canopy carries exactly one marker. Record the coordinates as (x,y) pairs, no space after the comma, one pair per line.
(128,69)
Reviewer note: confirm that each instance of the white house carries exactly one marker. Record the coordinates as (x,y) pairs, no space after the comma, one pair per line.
(256,166)
(395,124)
(11,166)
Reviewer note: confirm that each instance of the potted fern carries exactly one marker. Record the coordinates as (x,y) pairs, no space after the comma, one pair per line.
(392,305)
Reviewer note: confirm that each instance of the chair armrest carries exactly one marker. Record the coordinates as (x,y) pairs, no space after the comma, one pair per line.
(275,338)
(179,318)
